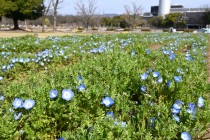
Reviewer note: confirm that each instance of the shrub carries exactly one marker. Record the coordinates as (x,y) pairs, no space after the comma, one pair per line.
(146,29)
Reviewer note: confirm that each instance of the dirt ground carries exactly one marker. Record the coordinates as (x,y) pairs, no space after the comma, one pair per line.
(12,33)
(7,34)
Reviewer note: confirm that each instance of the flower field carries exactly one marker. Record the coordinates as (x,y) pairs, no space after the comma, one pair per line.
(120,86)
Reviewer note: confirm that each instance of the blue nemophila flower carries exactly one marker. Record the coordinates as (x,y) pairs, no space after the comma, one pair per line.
(133,53)
(160,79)
(110,114)
(107,101)
(200,102)
(176,118)
(81,88)
(152,122)
(168,84)
(28,104)
(143,88)
(1,98)
(179,70)
(21,132)
(185,136)
(144,76)
(116,122)
(11,110)
(1,78)
(178,104)
(90,129)
(17,103)
(67,94)
(189,58)
(178,79)
(42,63)
(191,108)
(175,111)
(17,116)
(61,139)
(53,94)
(156,74)
(172,56)
(4,68)
(187,54)
(151,103)
(123,124)
(80,79)
(148,51)
(150,70)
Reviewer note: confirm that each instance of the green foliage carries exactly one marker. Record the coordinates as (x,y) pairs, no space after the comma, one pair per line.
(120,21)
(47,22)
(113,70)
(188,30)
(5,6)
(145,29)
(106,21)
(174,20)
(23,9)
(156,21)
(110,29)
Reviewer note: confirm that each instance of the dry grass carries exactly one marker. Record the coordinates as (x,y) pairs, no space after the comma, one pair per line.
(12,33)
(7,34)
(155,47)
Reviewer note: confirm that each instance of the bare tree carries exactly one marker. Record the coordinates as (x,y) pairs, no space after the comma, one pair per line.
(133,14)
(55,4)
(45,12)
(86,12)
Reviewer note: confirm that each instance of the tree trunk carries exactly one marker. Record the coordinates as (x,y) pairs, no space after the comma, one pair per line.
(16,27)
(55,20)
(43,26)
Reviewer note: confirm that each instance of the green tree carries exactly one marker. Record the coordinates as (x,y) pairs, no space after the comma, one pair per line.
(4,6)
(156,21)
(106,21)
(23,9)
(174,20)
(120,21)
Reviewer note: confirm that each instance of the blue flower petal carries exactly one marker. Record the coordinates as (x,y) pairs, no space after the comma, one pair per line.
(17,116)
(107,101)
(200,102)
(143,88)
(185,136)
(144,76)
(17,103)
(67,94)
(156,74)
(178,79)
(53,94)
(28,104)
(81,88)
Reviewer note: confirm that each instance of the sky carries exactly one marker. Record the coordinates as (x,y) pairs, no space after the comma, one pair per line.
(67,7)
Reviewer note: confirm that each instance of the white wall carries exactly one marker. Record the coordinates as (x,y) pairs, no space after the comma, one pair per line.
(164,7)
